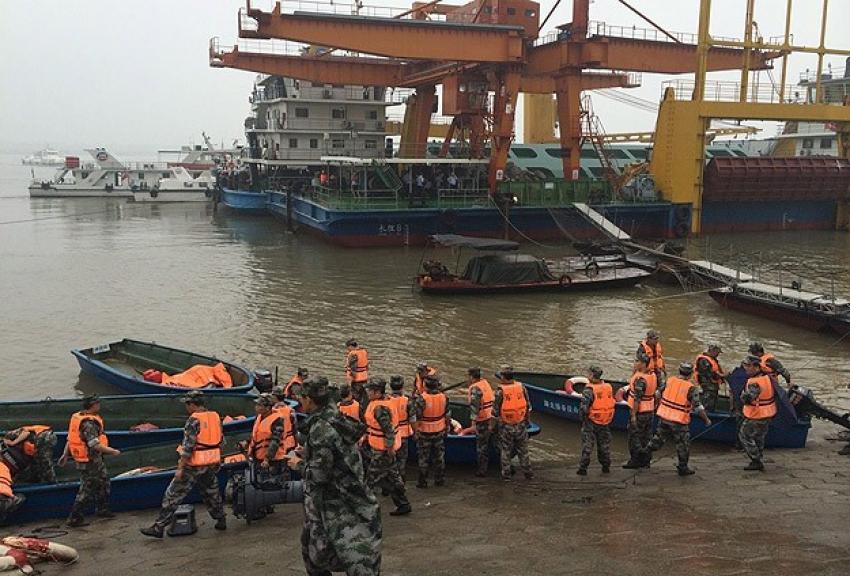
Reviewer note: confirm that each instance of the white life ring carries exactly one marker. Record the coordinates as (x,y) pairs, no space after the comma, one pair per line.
(34,550)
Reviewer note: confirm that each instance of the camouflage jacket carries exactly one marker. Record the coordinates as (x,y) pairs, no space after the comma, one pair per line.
(190,437)
(90,433)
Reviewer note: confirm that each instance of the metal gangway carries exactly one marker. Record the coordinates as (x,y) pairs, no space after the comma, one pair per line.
(602,223)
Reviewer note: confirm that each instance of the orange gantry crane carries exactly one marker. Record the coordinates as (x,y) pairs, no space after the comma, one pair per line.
(484,54)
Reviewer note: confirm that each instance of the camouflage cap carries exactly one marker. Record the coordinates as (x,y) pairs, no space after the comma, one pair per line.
(714,347)
(278,392)
(595,371)
(193,397)
(396,382)
(316,388)
(751,361)
(432,382)
(475,372)
(351,342)
(377,383)
(686,368)
(344,391)
(421,365)
(90,400)
(266,400)
(303,372)
(652,334)
(756,348)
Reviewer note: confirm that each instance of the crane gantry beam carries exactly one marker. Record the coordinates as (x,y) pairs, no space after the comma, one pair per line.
(400,38)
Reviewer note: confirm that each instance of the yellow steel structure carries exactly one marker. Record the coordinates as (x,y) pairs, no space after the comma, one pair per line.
(678,158)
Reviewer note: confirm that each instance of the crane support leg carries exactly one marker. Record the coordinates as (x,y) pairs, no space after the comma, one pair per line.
(569,121)
(417,122)
(506,87)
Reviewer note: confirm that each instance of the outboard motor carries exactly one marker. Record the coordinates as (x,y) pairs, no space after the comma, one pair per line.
(805,403)
(255,490)
(263,381)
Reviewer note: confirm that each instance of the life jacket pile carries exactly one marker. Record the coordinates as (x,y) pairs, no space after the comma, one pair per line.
(76,445)
(200,376)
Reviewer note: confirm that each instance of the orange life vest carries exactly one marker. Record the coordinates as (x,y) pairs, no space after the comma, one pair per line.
(287,390)
(361,370)
(433,420)
(763,363)
(261,437)
(674,405)
(602,410)
(715,367)
(207,451)
(514,407)
(402,407)
(656,356)
(289,440)
(647,402)
(32,431)
(5,480)
(419,381)
(234,458)
(376,434)
(485,411)
(764,406)
(352,409)
(76,445)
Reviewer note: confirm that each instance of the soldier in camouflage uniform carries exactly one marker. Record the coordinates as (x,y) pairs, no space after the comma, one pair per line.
(94,479)
(10,460)
(674,417)
(383,472)
(594,432)
(481,417)
(708,377)
(342,519)
(403,453)
(640,423)
(757,410)
(431,446)
(39,444)
(511,421)
(188,476)
(768,363)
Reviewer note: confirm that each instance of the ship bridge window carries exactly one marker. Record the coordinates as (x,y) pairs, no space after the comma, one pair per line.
(739,153)
(511,11)
(825,143)
(521,152)
(808,143)
(338,113)
(541,172)
(721,152)
(617,153)
(166,175)
(530,13)
(587,154)
(597,171)
(293,142)
(302,113)
(370,144)
(314,143)
(372,115)
(558,152)
(337,143)
(639,153)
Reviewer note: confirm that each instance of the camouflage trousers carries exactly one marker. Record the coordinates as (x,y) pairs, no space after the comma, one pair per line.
(401,457)
(483,437)
(206,478)
(708,397)
(752,436)
(94,487)
(513,441)
(592,433)
(323,556)
(640,434)
(383,475)
(41,469)
(680,434)
(431,450)
(8,505)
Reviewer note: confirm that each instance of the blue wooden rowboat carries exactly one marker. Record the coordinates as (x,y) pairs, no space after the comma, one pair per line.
(461,449)
(244,201)
(786,430)
(122,364)
(128,493)
(120,413)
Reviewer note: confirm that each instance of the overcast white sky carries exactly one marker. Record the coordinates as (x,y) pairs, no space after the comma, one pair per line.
(133,75)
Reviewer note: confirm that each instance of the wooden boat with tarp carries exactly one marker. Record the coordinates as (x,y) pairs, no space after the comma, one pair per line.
(787,429)
(124,364)
(503,270)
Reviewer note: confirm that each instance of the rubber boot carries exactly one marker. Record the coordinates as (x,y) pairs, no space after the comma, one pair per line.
(76,521)
(685,471)
(529,475)
(632,464)
(606,468)
(645,459)
(582,471)
(402,510)
(755,465)
(154,531)
(221,523)
(422,482)
(106,513)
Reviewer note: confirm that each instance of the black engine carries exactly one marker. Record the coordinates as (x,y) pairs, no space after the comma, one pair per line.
(255,491)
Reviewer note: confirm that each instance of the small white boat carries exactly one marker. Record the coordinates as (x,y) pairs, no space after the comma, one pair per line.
(46,157)
(108,177)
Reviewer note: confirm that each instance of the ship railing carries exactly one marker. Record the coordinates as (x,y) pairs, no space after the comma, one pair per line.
(558,192)
(730,91)
(600,28)
(343,9)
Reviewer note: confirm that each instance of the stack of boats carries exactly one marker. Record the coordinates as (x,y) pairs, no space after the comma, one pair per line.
(147,423)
